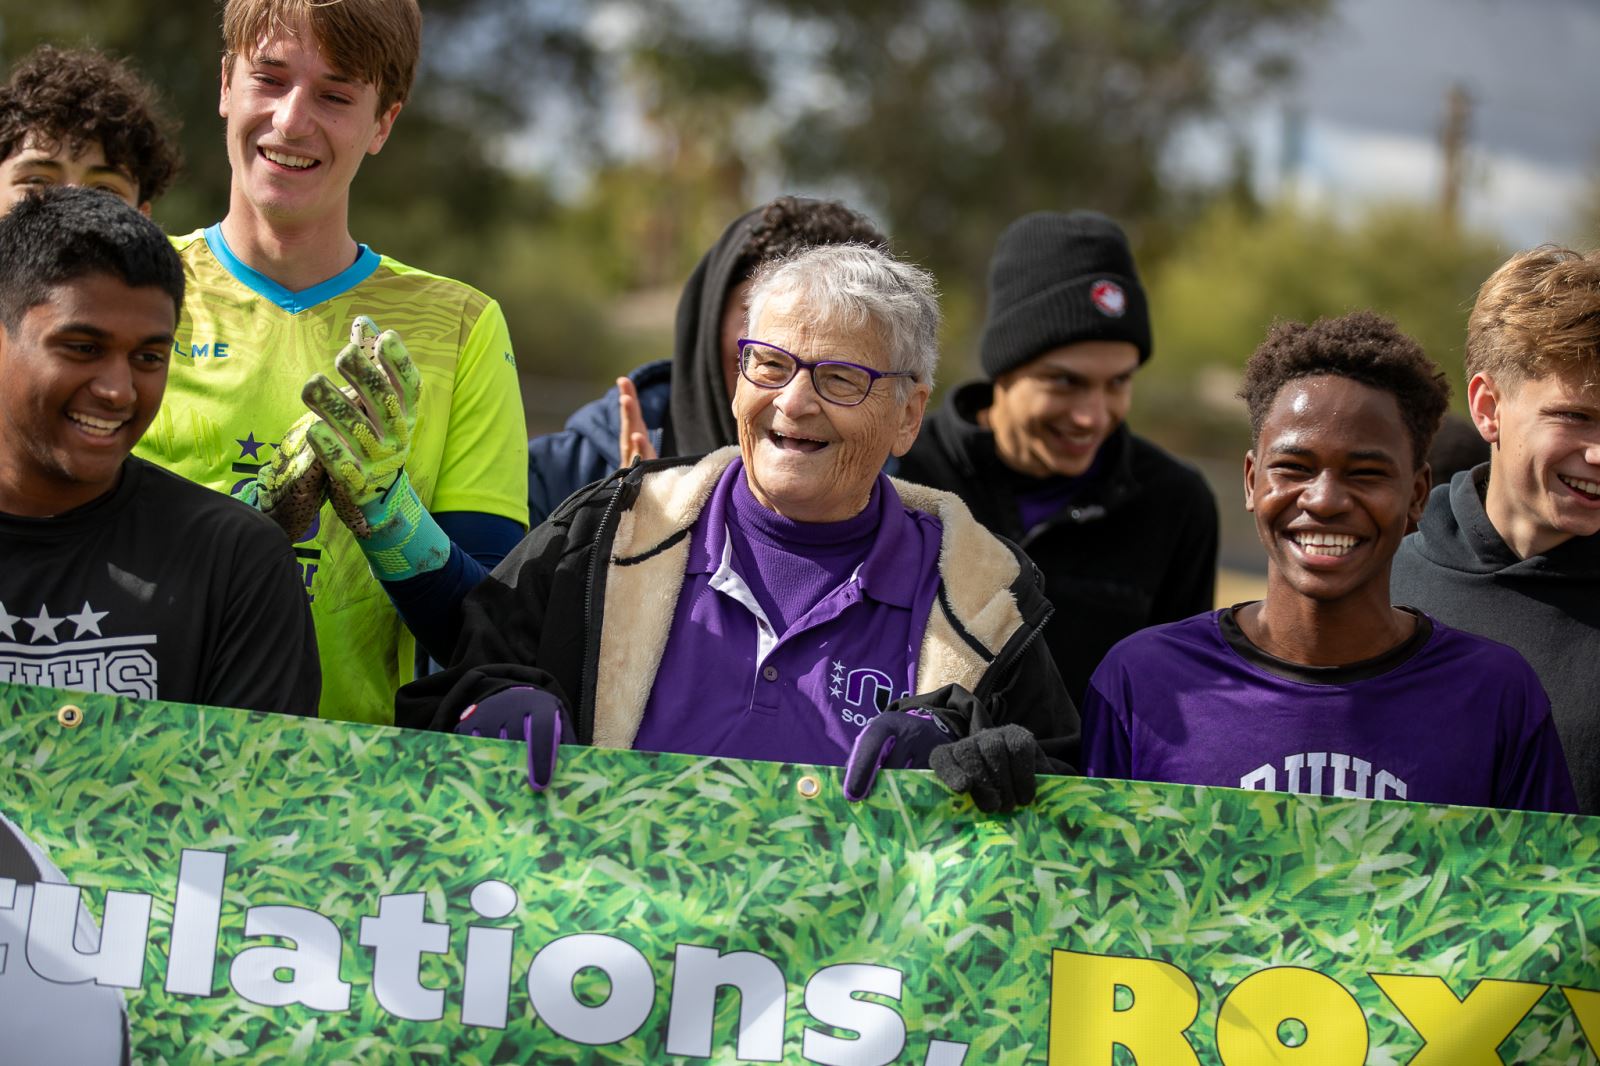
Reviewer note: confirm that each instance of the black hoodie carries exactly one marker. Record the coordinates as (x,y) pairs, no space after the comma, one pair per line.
(1459,569)
(702,414)
(1137,546)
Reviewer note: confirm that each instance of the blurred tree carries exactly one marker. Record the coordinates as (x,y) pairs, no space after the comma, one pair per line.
(1236,273)
(955,116)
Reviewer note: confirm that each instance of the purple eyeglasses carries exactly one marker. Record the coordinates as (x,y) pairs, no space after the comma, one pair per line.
(766,366)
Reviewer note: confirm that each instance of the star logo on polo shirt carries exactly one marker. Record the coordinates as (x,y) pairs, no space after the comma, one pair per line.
(249,446)
(7,621)
(44,626)
(87,620)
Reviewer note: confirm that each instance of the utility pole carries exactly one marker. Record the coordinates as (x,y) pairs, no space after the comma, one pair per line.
(1453,139)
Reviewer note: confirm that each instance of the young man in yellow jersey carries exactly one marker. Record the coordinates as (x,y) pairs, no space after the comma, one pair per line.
(428,457)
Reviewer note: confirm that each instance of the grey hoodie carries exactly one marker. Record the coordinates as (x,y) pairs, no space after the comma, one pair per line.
(1458,569)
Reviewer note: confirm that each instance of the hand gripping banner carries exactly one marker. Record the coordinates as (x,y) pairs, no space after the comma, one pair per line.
(188,885)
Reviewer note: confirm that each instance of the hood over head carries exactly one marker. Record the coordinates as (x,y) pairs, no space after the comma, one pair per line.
(702,413)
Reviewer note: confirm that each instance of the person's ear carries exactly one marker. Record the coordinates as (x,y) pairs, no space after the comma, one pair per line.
(911,413)
(1421,485)
(222,95)
(385,126)
(1250,480)
(1483,403)
(144,209)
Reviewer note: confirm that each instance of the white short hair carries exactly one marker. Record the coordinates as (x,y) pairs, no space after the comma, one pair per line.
(856,286)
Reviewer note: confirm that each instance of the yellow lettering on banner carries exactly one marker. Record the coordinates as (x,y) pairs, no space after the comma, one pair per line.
(1288,1016)
(1460,1032)
(1586,1006)
(1085,1024)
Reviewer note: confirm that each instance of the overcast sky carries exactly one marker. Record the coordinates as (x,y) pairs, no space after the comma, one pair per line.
(1373,83)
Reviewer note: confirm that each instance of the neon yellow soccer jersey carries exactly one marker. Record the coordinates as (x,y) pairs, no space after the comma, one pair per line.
(245,347)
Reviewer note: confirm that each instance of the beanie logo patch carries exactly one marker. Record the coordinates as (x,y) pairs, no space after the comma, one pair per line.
(1108,298)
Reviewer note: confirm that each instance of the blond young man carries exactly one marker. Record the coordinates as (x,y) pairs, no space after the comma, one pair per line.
(430,457)
(1509,550)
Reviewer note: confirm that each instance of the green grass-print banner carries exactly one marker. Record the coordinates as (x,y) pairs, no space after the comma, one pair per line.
(394,897)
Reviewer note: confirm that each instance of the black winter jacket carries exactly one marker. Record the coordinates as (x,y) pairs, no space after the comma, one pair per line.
(1138,547)
(583,605)
(1459,569)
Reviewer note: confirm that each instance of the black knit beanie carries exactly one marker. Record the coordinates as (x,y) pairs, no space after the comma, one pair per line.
(1056,279)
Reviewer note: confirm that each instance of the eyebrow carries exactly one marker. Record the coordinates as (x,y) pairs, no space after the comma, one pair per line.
(1363,455)
(52,161)
(114,171)
(279,64)
(1584,406)
(91,330)
(1078,378)
(45,162)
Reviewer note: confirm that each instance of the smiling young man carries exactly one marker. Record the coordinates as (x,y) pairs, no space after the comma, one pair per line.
(1511,549)
(1125,534)
(1324,688)
(77,117)
(120,577)
(309,90)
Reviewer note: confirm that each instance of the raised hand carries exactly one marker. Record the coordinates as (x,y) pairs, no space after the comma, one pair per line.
(633,436)
(363,441)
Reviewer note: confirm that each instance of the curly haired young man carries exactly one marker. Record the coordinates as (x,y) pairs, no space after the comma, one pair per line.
(1324,688)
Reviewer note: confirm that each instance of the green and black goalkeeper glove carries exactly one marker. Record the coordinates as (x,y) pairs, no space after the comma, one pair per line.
(363,444)
(289,489)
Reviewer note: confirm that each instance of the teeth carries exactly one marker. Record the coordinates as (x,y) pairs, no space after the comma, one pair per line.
(299,162)
(98,426)
(1591,487)
(1334,544)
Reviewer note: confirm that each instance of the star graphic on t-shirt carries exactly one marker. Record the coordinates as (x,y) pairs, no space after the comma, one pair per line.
(7,620)
(249,446)
(87,620)
(836,692)
(43,624)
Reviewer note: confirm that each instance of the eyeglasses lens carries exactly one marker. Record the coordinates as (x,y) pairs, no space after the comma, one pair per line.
(772,368)
(841,383)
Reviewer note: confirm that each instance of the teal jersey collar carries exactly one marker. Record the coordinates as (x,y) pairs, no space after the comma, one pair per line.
(293,302)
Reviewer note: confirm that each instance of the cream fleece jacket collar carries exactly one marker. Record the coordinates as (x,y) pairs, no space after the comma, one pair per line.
(651,549)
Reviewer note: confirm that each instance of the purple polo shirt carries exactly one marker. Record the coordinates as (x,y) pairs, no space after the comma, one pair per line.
(1448,717)
(732,684)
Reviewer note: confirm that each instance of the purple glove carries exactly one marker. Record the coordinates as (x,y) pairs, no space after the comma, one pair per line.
(899,740)
(528,714)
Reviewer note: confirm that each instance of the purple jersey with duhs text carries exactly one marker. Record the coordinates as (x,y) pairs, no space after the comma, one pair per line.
(1447,717)
(732,684)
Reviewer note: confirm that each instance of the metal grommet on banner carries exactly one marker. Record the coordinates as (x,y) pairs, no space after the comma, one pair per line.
(70,715)
(808,787)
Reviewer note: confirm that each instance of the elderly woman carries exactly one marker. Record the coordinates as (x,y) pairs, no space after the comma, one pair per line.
(783,599)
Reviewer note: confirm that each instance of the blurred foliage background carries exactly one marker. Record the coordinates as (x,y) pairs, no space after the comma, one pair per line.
(574,160)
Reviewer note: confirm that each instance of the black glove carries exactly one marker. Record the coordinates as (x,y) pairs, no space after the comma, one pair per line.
(531,715)
(995,765)
(899,740)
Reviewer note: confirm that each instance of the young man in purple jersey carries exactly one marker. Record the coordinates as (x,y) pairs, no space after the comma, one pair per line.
(1324,688)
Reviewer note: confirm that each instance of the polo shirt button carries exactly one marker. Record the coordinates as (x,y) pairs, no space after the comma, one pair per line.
(770,673)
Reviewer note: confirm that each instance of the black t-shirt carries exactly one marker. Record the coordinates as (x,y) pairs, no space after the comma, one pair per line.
(160,589)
